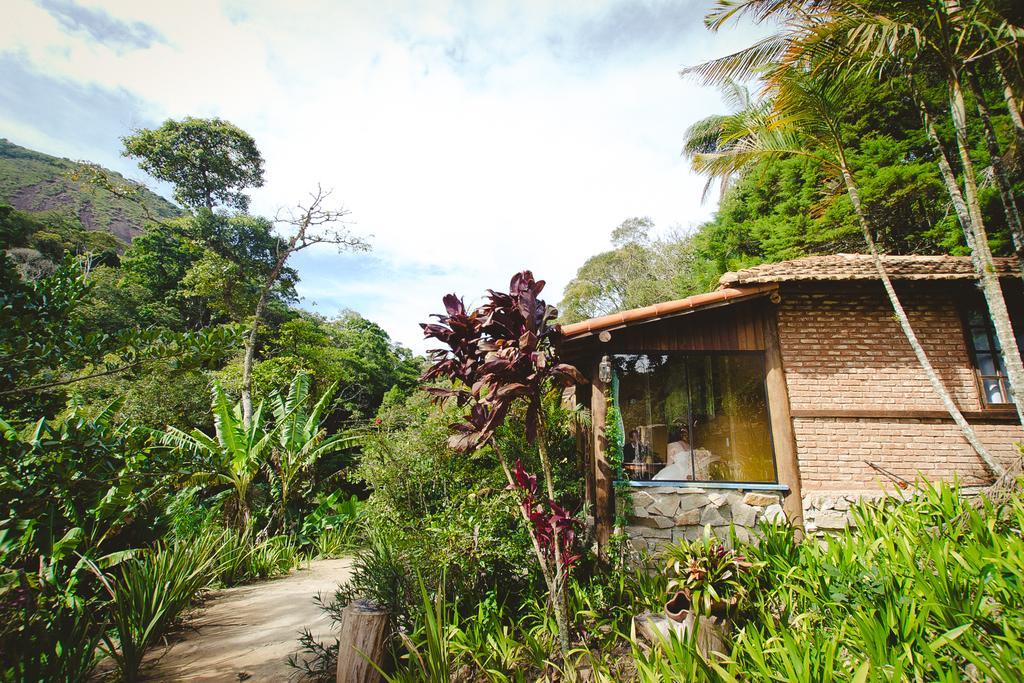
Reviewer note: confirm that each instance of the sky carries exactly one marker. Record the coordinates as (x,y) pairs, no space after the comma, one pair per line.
(468,140)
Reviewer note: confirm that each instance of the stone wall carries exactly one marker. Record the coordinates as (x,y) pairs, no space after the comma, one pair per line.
(664,514)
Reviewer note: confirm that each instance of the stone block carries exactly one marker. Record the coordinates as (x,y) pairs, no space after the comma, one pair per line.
(743,514)
(648,533)
(642,498)
(655,522)
(842,504)
(831,520)
(640,511)
(714,516)
(666,505)
(690,533)
(718,499)
(760,499)
(774,514)
(692,501)
(688,517)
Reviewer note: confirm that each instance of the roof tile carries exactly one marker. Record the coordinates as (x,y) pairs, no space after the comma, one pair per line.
(862,267)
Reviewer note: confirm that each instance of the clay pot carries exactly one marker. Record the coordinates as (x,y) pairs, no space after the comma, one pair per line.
(678,606)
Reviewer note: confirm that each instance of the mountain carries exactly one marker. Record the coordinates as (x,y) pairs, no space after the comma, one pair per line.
(36,182)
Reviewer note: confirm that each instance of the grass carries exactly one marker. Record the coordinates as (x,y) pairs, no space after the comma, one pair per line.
(926,590)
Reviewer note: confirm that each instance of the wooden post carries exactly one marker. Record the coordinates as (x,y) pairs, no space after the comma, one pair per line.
(783,435)
(604,485)
(362,640)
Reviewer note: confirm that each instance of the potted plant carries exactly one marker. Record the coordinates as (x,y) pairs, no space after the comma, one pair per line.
(705,586)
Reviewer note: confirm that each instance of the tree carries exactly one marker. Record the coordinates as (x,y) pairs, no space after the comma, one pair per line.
(301,438)
(501,353)
(639,271)
(232,457)
(802,121)
(302,227)
(210,162)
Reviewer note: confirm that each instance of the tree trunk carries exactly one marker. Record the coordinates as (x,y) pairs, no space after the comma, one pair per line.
(250,337)
(999,171)
(1012,104)
(987,274)
(908,330)
(946,171)
(558,572)
(250,353)
(550,576)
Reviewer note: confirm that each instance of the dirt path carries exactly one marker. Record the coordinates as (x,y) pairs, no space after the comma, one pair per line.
(246,633)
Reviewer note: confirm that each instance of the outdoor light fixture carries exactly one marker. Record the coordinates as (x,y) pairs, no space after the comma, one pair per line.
(604,371)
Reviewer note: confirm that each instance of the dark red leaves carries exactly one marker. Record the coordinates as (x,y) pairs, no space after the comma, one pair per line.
(547,518)
(502,351)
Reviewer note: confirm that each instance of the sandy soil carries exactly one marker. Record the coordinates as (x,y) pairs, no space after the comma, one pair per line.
(246,633)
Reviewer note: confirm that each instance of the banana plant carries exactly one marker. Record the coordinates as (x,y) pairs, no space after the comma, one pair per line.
(233,455)
(301,440)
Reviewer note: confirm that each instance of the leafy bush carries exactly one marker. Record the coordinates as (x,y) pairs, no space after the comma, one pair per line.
(334,526)
(149,592)
(433,513)
(927,589)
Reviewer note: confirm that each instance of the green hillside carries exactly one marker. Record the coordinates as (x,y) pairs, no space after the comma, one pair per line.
(36,182)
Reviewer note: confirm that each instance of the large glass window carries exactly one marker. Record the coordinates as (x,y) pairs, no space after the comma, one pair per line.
(694,417)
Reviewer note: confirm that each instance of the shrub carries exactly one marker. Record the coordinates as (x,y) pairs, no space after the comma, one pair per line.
(149,592)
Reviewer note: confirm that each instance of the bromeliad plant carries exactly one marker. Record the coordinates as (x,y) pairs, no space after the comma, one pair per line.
(500,353)
(705,575)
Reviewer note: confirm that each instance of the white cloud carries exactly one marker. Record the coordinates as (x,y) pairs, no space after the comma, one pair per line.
(471,141)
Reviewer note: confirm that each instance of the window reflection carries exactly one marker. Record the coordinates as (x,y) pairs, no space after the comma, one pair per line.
(694,417)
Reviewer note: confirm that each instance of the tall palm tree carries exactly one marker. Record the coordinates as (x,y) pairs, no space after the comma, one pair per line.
(838,38)
(301,439)
(950,38)
(232,457)
(803,120)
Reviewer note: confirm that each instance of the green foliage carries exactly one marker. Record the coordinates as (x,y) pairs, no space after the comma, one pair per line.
(301,439)
(638,271)
(334,526)
(707,572)
(209,161)
(149,592)
(784,208)
(927,589)
(232,457)
(72,492)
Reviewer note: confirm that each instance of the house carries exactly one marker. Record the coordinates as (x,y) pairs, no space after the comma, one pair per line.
(791,389)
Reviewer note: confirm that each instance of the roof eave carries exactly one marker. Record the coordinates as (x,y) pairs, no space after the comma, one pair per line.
(662,311)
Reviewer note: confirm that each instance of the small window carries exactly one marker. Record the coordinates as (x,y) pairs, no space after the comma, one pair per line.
(694,417)
(988,358)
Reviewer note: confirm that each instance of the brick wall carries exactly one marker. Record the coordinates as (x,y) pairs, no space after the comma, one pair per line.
(844,350)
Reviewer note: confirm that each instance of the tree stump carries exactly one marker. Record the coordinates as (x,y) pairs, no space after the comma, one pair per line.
(362,640)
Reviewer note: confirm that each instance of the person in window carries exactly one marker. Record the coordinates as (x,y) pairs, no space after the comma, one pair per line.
(679,466)
(631,451)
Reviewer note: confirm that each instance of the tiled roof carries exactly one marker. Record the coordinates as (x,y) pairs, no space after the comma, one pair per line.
(690,303)
(755,281)
(862,267)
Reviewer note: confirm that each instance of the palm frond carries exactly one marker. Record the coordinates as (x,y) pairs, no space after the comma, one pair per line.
(744,65)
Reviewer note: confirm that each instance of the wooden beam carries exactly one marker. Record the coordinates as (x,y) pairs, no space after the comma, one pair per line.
(783,436)
(604,484)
